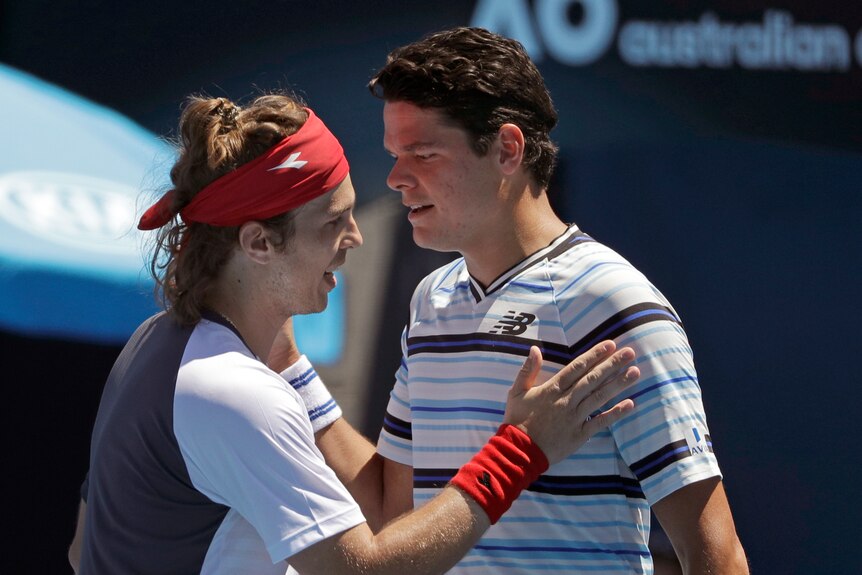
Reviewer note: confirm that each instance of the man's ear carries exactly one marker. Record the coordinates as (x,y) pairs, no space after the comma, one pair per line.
(511,141)
(254,240)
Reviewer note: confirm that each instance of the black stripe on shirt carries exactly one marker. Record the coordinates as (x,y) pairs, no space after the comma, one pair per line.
(666,456)
(576,238)
(473,290)
(588,485)
(622,322)
(432,478)
(398,427)
(575,485)
(612,328)
(454,343)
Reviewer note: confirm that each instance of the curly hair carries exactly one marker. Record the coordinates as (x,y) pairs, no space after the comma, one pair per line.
(481,81)
(216,136)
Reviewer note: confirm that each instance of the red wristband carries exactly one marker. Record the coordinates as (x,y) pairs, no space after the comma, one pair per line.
(508,463)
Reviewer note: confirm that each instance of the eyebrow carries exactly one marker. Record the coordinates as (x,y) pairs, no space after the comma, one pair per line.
(338,211)
(413,146)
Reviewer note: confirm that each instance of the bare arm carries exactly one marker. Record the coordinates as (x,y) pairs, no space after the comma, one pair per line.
(78,538)
(382,490)
(429,540)
(434,537)
(699,524)
(398,479)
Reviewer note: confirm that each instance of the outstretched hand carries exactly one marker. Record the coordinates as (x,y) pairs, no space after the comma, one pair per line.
(557,414)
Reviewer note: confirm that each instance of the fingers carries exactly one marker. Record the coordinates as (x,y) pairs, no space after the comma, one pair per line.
(583,364)
(528,372)
(595,377)
(605,382)
(608,417)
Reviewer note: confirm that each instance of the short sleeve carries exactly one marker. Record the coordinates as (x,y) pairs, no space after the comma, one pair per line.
(665,441)
(247,442)
(396,436)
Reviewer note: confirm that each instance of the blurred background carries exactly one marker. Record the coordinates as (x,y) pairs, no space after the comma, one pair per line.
(716,145)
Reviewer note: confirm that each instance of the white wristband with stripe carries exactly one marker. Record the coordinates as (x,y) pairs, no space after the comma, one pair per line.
(321,406)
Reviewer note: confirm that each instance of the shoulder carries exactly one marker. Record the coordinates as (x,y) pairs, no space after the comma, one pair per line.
(445,278)
(221,380)
(592,272)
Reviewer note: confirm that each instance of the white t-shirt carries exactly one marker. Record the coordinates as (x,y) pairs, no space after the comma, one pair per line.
(203,461)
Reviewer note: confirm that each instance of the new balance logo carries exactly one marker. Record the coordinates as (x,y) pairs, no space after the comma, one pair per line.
(514,324)
(292,161)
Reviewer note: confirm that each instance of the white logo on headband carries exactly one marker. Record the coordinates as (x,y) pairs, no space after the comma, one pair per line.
(290,162)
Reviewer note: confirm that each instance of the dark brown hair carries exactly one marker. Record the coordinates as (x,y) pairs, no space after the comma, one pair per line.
(481,81)
(216,136)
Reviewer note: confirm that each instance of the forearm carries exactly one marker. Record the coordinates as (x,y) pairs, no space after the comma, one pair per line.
(716,557)
(358,466)
(700,526)
(429,540)
(433,538)
(353,458)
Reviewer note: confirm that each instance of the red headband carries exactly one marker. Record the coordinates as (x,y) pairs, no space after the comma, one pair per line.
(301,167)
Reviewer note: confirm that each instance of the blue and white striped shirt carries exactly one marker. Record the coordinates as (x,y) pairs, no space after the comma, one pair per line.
(461,352)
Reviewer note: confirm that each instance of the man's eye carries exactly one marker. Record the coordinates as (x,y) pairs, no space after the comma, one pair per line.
(340,219)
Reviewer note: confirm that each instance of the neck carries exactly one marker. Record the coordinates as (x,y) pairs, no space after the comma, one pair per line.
(532,224)
(250,316)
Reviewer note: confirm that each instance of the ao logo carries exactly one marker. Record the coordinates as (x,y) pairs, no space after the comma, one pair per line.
(91,213)
(574,44)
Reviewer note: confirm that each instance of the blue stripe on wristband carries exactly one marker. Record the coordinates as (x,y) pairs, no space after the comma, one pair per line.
(303,379)
(321,407)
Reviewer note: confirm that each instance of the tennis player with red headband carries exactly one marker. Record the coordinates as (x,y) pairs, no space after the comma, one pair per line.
(203,456)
